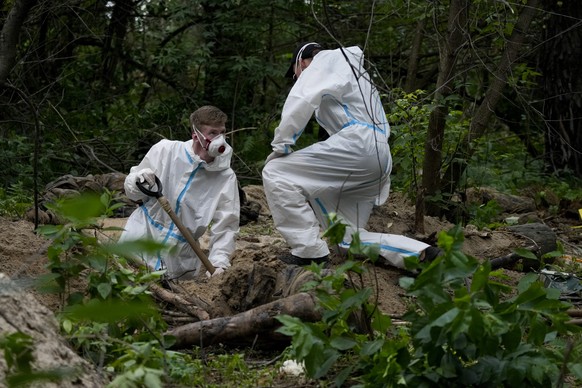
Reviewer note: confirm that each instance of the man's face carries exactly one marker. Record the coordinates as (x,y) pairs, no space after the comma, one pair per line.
(208,132)
(202,137)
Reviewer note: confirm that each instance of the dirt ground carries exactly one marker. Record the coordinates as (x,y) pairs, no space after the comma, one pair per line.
(255,275)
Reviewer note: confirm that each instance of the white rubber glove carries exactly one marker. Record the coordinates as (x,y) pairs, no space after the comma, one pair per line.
(217,271)
(146,175)
(273,155)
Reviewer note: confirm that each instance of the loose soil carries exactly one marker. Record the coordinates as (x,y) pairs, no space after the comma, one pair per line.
(23,255)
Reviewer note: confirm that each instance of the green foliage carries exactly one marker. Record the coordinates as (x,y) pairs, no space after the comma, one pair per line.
(464,329)
(324,345)
(112,294)
(568,188)
(467,333)
(17,351)
(76,248)
(14,201)
(501,161)
(408,118)
(484,215)
(111,320)
(15,161)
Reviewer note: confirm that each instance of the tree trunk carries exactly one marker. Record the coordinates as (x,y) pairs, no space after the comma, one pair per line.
(436,127)
(113,45)
(410,85)
(9,35)
(458,165)
(253,326)
(560,62)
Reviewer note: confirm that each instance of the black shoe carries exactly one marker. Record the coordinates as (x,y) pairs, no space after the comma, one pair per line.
(431,253)
(296,260)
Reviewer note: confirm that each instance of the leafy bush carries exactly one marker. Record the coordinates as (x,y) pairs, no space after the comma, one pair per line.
(464,329)
(465,332)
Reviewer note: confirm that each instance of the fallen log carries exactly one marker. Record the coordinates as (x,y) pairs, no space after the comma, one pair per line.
(256,325)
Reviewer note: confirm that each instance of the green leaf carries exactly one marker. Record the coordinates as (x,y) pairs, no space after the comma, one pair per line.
(343,343)
(104,290)
(576,369)
(355,300)
(110,311)
(336,230)
(443,320)
(330,356)
(372,347)
(48,283)
(526,281)
(67,326)
(405,282)
(83,208)
(152,379)
(526,253)
(480,278)
(380,322)
(98,263)
(33,378)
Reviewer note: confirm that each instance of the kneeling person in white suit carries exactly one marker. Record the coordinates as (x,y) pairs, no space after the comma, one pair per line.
(202,188)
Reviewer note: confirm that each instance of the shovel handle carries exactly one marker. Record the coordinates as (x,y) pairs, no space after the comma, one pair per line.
(156,194)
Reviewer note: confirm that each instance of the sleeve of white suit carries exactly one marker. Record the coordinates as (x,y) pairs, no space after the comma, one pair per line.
(150,160)
(225,225)
(322,77)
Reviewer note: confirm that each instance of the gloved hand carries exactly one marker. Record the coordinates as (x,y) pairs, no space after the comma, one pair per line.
(146,175)
(273,155)
(217,271)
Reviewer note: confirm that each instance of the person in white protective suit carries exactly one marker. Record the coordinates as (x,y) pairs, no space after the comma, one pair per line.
(201,187)
(348,173)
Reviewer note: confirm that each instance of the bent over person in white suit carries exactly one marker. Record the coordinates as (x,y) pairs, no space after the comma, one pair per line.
(348,173)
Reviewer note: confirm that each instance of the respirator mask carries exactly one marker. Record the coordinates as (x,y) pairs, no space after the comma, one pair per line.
(215,147)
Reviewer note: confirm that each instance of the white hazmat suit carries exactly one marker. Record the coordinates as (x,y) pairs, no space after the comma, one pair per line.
(348,173)
(201,194)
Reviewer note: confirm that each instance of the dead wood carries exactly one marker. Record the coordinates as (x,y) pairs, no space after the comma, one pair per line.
(256,325)
(179,302)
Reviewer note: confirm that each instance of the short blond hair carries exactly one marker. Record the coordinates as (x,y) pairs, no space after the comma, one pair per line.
(208,115)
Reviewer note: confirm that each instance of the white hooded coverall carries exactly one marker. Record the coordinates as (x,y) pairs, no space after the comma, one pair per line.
(348,173)
(201,194)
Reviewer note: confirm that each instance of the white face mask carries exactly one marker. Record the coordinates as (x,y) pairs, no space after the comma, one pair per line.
(215,147)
